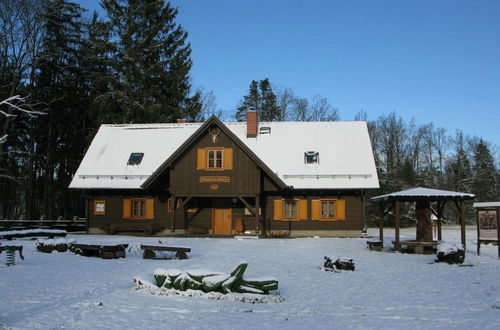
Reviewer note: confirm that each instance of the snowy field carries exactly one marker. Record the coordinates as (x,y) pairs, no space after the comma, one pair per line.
(388,290)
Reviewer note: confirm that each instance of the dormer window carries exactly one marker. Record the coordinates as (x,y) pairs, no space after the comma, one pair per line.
(311,157)
(135,158)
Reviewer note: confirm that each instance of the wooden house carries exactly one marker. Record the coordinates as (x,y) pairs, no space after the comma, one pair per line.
(268,178)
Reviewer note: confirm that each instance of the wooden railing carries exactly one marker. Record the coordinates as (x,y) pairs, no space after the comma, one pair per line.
(73,225)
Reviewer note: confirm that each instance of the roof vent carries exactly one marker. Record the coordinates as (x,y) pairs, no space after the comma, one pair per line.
(311,157)
(135,158)
(265,130)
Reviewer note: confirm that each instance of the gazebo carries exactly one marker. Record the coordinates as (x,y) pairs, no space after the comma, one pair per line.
(426,201)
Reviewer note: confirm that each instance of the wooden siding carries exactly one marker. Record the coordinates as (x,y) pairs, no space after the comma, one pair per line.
(185,177)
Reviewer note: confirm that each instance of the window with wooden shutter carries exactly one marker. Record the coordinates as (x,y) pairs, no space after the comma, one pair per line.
(290,209)
(214,159)
(328,209)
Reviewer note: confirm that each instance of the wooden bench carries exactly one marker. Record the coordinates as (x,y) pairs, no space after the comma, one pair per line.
(147,228)
(12,247)
(375,245)
(101,251)
(149,251)
(416,246)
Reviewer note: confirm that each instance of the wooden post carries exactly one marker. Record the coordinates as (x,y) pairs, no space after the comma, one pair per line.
(257,207)
(498,230)
(478,231)
(440,218)
(397,247)
(174,206)
(462,221)
(381,223)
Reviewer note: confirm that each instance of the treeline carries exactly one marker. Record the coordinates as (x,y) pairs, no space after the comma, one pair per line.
(74,71)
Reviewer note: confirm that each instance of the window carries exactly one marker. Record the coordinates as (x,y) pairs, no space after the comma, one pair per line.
(135,158)
(328,209)
(290,209)
(214,159)
(138,208)
(311,157)
(99,207)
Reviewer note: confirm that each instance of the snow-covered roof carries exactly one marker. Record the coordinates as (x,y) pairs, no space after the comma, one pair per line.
(486,204)
(345,153)
(421,192)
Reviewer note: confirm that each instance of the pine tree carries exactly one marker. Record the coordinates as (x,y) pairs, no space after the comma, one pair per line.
(251,102)
(150,61)
(459,170)
(484,184)
(269,107)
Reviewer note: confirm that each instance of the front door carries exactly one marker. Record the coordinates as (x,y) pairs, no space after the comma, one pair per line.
(222,223)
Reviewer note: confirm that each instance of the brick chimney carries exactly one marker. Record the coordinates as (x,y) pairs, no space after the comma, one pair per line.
(181,121)
(252,124)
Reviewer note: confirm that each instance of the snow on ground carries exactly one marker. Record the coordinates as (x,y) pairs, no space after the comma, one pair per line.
(388,290)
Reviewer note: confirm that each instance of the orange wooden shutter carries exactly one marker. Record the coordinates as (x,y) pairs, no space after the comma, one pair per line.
(169,204)
(127,208)
(278,209)
(150,208)
(316,209)
(228,158)
(302,209)
(340,209)
(201,162)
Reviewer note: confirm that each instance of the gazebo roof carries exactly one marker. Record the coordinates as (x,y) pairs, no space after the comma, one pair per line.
(421,193)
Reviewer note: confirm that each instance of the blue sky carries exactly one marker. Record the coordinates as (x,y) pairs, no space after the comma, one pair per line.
(435,61)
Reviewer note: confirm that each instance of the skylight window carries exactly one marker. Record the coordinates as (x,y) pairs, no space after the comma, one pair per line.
(135,158)
(311,157)
(265,130)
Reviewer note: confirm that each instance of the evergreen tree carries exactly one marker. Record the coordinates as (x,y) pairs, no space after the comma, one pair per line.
(459,170)
(484,184)
(269,107)
(251,102)
(150,61)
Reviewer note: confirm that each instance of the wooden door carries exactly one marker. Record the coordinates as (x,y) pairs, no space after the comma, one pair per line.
(222,223)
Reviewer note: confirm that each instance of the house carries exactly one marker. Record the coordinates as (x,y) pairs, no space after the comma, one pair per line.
(268,178)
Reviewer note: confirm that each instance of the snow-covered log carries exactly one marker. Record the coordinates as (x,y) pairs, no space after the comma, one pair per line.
(450,253)
(334,264)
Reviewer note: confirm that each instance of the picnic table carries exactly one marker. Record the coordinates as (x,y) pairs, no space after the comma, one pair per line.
(149,250)
(101,251)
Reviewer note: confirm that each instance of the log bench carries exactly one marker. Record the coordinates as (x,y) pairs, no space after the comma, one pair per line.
(18,248)
(101,251)
(149,251)
(416,246)
(375,245)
